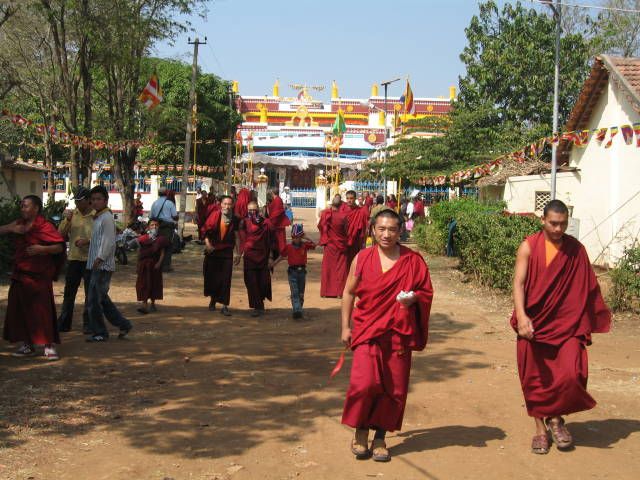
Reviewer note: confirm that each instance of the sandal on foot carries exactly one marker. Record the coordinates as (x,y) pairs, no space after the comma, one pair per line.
(540,444)
(379,450)
(559,433)
(359,444)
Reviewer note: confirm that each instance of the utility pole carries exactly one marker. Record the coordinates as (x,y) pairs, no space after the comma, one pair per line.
(187,138)
(229,157)
(557,12)
(386,129)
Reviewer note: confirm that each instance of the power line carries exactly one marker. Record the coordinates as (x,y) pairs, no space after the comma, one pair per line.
(596,7)
(224,75)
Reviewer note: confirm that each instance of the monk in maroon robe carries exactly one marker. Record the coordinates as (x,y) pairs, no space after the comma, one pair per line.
(418,207)
(255,245)
(220,240)
(357,225)
(241,203)
(368,201)
(149,268)
(201,212)
(39,256)
(334,238)
(558,305)
(278,221)
(388,322)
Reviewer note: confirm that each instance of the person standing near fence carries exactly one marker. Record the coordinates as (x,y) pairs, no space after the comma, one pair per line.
(101,261)
(76,228)
(557,306)
(164,210)
(296,255)
(38,259)
(334,238)
(357,225)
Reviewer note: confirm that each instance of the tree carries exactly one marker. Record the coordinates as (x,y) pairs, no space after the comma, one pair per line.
(618,31)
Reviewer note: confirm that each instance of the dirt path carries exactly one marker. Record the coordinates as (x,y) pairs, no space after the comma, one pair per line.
(194,395)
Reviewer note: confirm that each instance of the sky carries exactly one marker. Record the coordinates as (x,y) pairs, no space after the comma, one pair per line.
(354,42)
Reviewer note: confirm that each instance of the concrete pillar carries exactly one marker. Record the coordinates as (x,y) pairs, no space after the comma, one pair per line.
(392,187)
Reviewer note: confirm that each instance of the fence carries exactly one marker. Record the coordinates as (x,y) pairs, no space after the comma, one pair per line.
(303,197)
(142,183)
(431,194)
(371,187)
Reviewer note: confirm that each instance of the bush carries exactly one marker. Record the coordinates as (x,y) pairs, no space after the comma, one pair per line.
(9,211)
(625,293)
(429,238)
(488,242)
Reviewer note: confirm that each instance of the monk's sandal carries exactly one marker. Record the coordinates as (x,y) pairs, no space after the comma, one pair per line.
(380,451)
(360,444)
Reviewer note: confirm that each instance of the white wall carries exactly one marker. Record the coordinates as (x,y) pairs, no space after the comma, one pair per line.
(608,202)
(520,192)
(25,182)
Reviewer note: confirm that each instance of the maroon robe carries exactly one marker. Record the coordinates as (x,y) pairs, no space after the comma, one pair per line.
(564,303)
(242,201)
(383,335)
(31,310)
(218,265)
(201,215)
(278,221)
(335,240)
(368,203)
(418,208)
(210,207)
(255,241)
(357,230)
(149,281)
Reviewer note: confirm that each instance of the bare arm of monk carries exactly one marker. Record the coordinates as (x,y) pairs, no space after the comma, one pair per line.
(348,299)
(208,248)
(525,327)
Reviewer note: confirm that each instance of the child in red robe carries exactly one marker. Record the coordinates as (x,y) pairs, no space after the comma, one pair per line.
(150,257)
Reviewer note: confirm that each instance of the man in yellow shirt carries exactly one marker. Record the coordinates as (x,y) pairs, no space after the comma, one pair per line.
(76,228)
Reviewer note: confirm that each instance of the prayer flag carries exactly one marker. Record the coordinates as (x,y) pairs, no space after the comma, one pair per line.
(339,126)
(151,95)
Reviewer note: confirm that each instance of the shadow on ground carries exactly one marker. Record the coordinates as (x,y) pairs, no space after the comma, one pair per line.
(449,436)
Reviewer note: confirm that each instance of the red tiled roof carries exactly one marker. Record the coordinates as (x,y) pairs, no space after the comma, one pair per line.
(629,69)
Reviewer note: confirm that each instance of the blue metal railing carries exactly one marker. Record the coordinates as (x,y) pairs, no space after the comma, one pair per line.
(371,187)
(303,197)
(431,194)
(308,153)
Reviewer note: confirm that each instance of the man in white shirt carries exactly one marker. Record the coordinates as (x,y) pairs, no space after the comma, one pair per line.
(164,210)
(286,197)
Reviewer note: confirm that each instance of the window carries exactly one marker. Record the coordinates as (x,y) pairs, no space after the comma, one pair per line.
(542,198)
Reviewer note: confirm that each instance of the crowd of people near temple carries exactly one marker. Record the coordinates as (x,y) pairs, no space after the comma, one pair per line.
(386,292)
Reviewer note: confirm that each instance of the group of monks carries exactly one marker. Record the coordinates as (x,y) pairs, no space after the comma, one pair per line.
(386,295)
(234,230)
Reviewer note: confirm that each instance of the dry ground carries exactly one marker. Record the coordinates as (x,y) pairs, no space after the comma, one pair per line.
(194,395)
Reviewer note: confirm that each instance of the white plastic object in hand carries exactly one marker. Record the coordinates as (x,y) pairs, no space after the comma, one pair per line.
(404,295)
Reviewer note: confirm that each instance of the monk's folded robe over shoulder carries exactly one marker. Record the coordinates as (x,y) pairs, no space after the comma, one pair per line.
(357,229)
(31,310)
(565,305)
(278,221)
(383,335)
(218,264)
(335,240)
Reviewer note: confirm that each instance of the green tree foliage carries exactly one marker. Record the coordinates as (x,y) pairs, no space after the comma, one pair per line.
(625,294)
(167,120)
(506,95)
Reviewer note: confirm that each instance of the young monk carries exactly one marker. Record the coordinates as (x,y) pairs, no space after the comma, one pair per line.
(150,257)
(39,256)
(255,245)
(334,237)
(558,306)
(278,221)
(389,321)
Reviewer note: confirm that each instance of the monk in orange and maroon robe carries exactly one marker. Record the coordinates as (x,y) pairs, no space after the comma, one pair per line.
(220,240)
(255,245)
(564,303)
(383,335)
(31,310)
(334,238)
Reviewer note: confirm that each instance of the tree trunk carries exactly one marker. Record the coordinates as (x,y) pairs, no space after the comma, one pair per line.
(124,172)
(74,166)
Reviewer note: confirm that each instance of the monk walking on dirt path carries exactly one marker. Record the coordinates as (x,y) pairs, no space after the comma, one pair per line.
(357,225)
(335,240)
(388,322)
(558,305)
(220,240)
(39,256)
(255,244)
